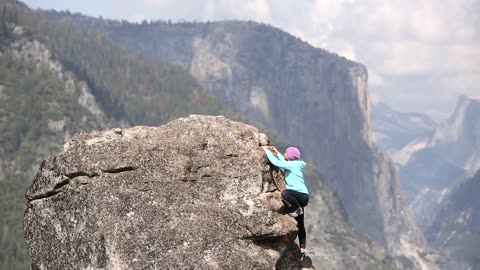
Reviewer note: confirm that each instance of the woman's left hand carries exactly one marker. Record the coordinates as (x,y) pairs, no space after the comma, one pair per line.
(274,150)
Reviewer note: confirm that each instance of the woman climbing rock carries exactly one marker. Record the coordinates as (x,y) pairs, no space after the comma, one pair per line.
(295,195)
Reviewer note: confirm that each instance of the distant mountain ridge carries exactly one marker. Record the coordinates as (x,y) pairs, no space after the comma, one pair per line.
(393,130)
(457,140)
(432,158)
(440,175)
(440,162)
(437,173)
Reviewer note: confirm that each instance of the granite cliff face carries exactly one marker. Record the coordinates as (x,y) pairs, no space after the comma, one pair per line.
(308,96)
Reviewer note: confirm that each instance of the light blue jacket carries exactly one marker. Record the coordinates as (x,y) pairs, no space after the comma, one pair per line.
(293,171)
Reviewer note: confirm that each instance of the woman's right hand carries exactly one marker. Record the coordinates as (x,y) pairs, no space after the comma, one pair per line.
(274,150)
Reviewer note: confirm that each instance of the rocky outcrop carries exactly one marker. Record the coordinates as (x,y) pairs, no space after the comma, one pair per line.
(192,194)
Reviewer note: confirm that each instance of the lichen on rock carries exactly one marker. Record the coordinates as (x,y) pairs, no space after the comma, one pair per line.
(196,193)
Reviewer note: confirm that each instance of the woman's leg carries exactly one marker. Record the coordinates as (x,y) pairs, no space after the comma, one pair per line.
(289,196)
(302,234)
(302,198)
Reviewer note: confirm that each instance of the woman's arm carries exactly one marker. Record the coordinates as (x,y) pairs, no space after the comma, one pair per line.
(278,160)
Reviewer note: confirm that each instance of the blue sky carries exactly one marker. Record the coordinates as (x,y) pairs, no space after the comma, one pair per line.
(420,54)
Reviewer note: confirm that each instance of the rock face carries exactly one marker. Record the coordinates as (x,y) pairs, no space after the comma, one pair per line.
(191,194)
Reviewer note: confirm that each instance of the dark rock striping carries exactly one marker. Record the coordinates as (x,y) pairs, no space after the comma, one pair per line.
(196,193)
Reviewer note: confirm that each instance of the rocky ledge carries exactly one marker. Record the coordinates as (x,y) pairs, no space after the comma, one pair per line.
(196,193)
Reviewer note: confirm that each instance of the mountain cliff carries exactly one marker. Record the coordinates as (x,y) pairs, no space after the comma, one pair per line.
(310,97)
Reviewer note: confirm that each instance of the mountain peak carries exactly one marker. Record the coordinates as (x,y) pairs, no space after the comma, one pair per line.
(464,101)
(470,98)
(463,104)
(465,113)
(461,131)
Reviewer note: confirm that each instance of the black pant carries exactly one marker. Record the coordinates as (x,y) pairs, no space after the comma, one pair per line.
(296,200)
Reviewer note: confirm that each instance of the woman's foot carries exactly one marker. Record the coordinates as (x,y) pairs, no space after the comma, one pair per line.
(303,253)
(296,213)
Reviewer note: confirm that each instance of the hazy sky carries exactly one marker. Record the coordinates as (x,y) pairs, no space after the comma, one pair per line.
(420,54)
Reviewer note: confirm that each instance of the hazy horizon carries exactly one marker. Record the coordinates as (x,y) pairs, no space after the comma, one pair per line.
(420,55)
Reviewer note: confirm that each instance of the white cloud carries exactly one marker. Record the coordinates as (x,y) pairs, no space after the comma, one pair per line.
(346,50)
(445,22)
(406,57)
(464,84)
(374,97)
(209,10)
(375,79)
(464,57)
(259,8)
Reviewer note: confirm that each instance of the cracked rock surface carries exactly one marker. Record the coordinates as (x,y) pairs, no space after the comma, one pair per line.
(196,193)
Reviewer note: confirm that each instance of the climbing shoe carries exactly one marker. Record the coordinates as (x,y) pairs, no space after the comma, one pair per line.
(303,254)
(296,213)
